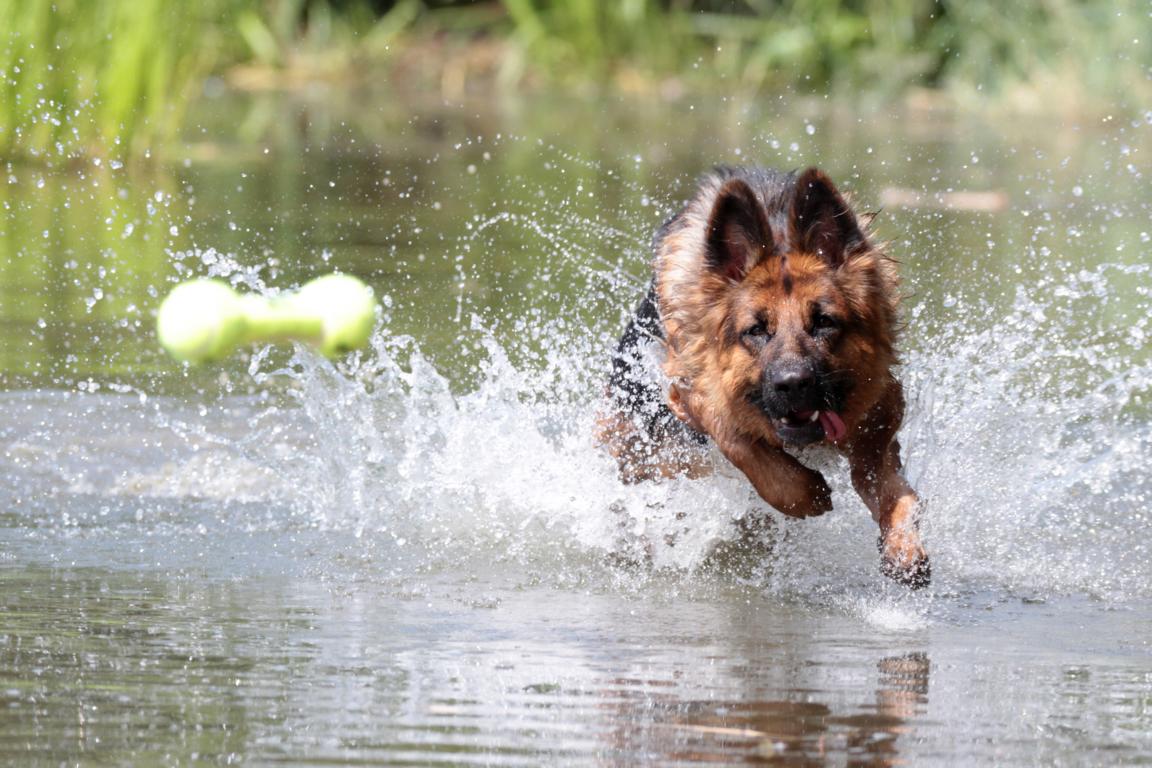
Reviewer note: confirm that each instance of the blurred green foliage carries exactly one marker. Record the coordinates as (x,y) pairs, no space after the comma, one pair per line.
(114,77)
(1058,49)
(79,75)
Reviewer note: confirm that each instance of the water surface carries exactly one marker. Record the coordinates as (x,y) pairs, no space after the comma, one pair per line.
(417,555)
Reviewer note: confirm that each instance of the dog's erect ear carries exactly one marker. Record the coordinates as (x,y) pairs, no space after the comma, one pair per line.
(821,222)
(738,231)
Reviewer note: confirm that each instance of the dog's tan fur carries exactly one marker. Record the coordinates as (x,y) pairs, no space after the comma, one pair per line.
(777,251)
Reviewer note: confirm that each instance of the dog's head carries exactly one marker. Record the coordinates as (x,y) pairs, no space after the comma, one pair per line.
(779,309)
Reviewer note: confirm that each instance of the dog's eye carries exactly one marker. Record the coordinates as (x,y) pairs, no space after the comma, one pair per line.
(758,332)
(823,322)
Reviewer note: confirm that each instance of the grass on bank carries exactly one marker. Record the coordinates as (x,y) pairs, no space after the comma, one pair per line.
(115,77)
(80,75)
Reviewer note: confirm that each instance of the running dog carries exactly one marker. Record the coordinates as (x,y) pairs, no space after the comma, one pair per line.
(773,315)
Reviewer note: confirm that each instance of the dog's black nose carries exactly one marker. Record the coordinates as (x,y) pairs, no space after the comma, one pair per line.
(793,381)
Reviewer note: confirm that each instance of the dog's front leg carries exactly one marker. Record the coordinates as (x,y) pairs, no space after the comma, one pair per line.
(783,482)
(895,506)
(877,477)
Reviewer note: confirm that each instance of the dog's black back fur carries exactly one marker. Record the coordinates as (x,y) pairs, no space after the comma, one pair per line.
(634,384)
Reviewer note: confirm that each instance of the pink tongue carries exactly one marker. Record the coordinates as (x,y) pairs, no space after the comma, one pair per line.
(834,428)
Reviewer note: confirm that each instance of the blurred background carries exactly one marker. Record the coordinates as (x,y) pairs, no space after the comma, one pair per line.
(131,70)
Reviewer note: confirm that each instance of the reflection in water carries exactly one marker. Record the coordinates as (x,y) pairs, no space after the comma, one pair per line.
(116,667)
(237,654)
(801,730)
(903,688)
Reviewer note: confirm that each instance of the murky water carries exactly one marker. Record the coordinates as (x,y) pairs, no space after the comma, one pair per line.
(419,556)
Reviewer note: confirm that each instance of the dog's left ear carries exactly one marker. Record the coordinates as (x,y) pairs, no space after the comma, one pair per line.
(821,222)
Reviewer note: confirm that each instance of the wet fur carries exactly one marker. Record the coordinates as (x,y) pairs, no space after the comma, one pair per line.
(761,275)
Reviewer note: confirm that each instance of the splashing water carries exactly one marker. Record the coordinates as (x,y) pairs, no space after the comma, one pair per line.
(1027,432)
(1030,438)
(1026,436)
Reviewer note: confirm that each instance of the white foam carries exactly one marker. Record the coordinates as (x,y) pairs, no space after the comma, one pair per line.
(891,614)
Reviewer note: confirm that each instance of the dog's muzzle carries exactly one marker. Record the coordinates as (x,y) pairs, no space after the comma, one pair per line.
(799,407)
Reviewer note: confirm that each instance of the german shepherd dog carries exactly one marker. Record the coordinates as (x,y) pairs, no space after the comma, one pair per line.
(773,316)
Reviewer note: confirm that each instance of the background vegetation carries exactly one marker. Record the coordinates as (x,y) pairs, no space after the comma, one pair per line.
(114,77)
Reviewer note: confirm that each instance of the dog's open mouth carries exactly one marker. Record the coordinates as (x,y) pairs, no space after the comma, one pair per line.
(809,426)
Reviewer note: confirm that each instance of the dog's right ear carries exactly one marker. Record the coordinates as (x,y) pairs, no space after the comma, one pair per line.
(738,232)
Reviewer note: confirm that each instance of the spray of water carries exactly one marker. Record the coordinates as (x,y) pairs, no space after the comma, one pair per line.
(1023,435)
(1027,435)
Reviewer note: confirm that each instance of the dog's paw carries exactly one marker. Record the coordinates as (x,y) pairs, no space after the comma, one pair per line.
(903,559)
